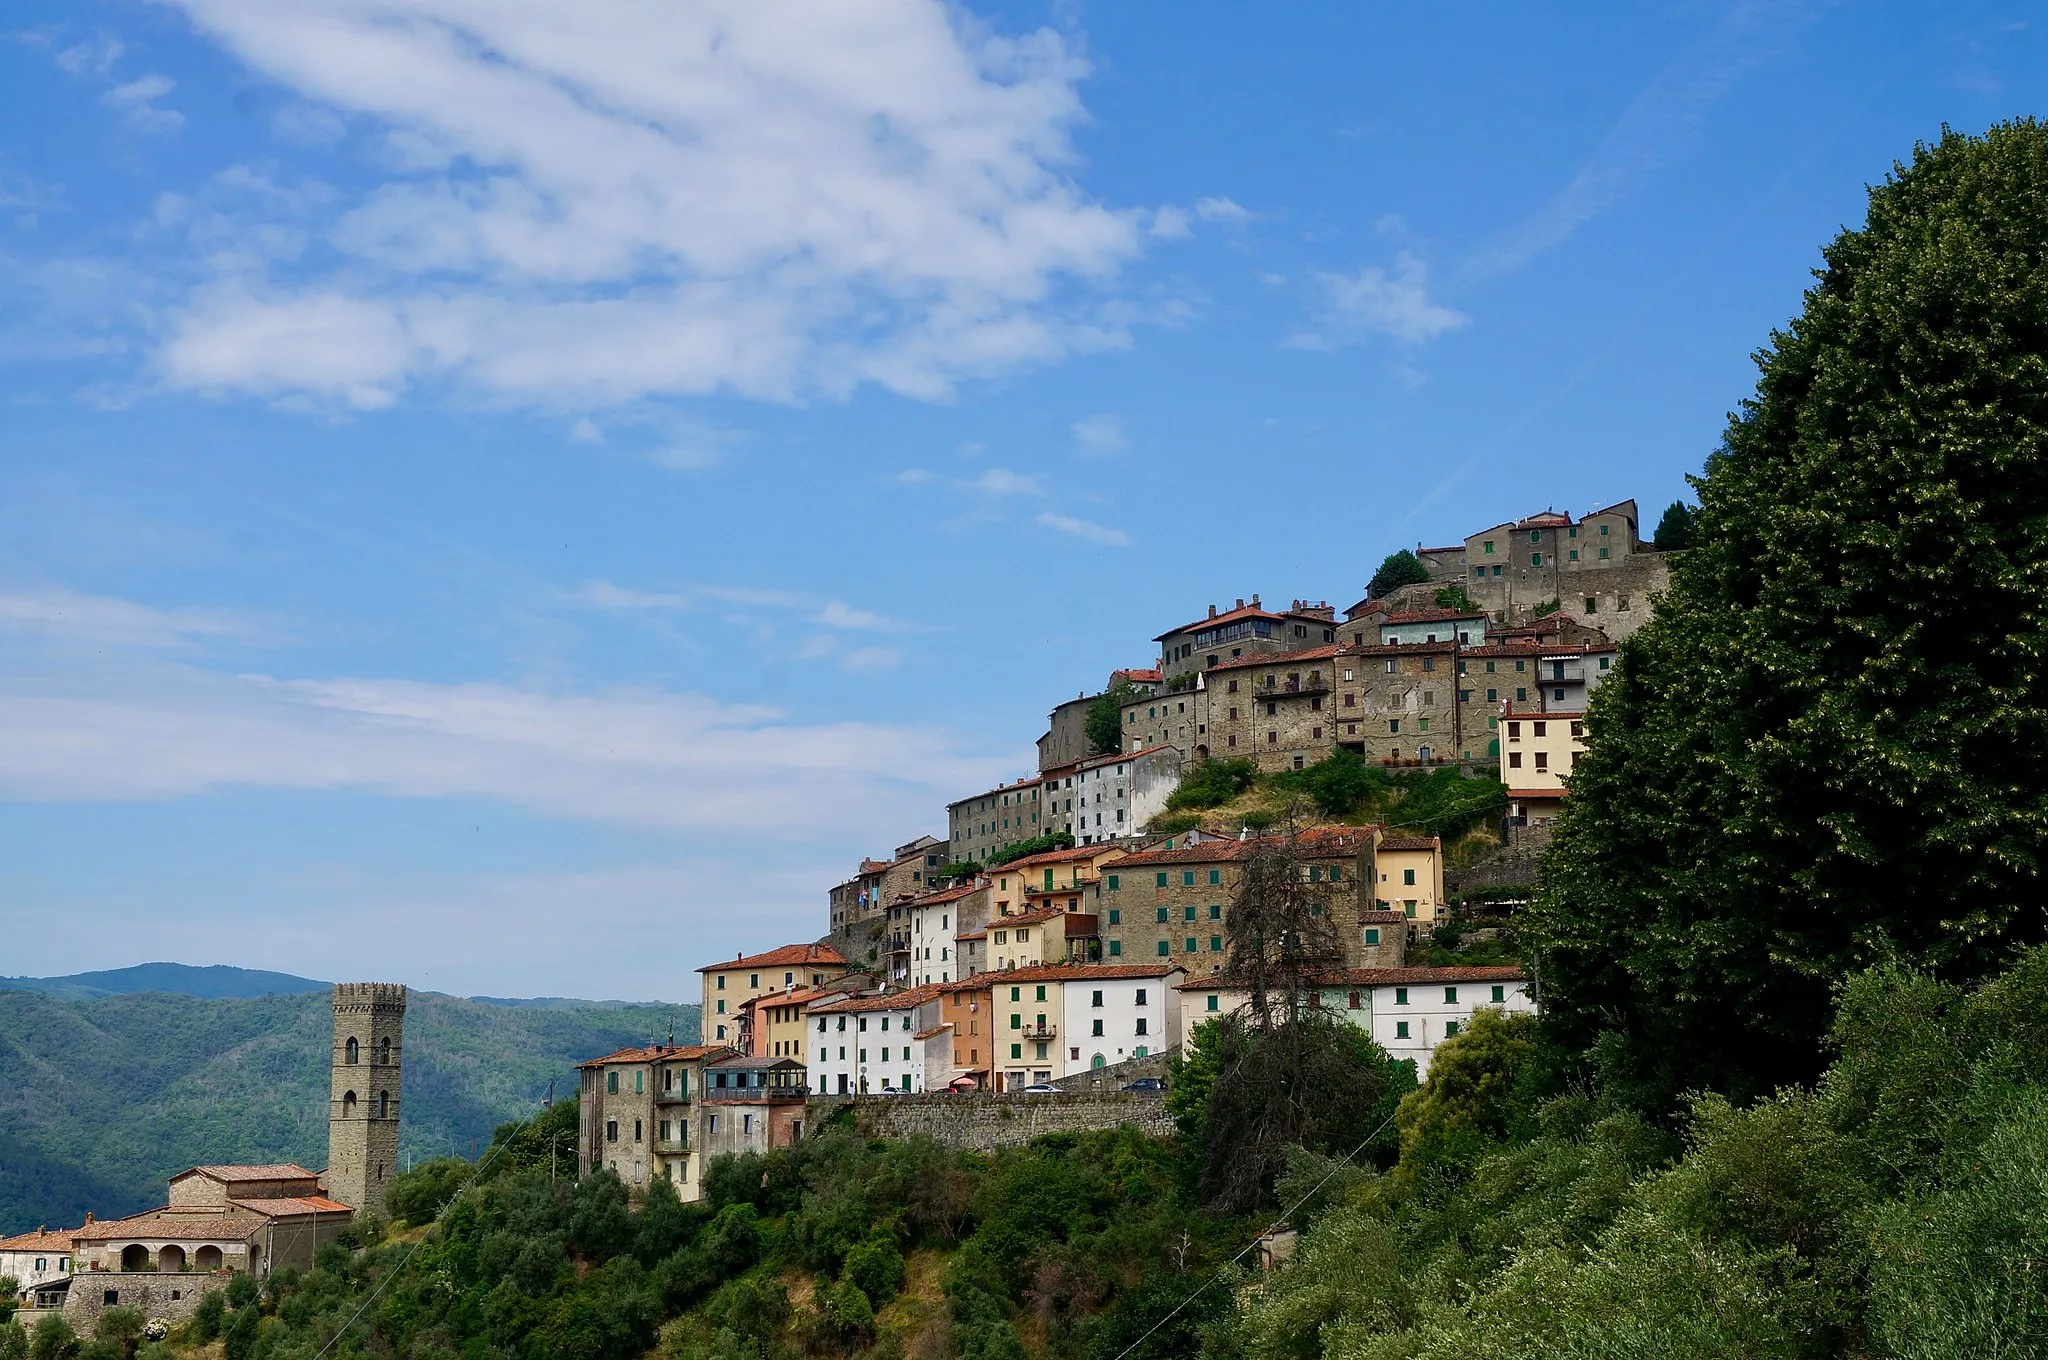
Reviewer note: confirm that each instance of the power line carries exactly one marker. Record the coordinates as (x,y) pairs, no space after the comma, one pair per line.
(1284,1215)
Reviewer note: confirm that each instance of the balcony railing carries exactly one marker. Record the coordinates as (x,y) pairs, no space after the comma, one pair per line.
(670,1145)
(1312,685)
(1038,1031)
(677,1096)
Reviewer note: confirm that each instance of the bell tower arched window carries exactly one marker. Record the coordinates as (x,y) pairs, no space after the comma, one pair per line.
(383,1104)
(384,1052)
(350,1053)
(348,1104)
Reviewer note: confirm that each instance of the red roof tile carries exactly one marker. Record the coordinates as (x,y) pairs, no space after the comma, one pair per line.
(293,1206)
(1391,841)
(658,1053)
(1142,677)
(776,958)
(39,1241)
(1079,972)
(908,999)
(273,1171)
(1227,616)
(172,1225)
(1435,616)
(1278,658)
(1075,855)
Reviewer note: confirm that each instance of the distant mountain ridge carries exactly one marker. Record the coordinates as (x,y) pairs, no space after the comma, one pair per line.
(220,981)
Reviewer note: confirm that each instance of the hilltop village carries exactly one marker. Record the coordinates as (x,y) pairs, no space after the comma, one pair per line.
(1069,931)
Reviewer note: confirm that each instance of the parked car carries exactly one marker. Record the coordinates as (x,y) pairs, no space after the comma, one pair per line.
(1145,1086)
(1041,1088)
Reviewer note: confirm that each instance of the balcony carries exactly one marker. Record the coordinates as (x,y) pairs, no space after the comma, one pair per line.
(670,1145)
(678,1096)
(1280,689)
(1036,1032)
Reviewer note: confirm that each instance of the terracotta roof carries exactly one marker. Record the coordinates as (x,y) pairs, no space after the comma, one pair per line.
(908,999)
(274,1171)
(1278,658)
(933,899)
(1227,616)
(1148,676)
(1560,715)
(1391,841)
(1117,757)
(749,1063)
(775,958)
(1073,856)
(1331,840)
(1453,548)
(977,983)
(658,1053)
(1080,972)
(802,996)
(934,1031)
(1435,616)
(1535,795)
(170,1225)
(1509,648)
(981,934)
(1544,520)
(1035,915)
(39,1241)
(1373,977)
(1219,851)
(1380,918)
(292,1207)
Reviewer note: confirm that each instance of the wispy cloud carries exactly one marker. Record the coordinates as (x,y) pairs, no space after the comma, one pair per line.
(1099,434)
(913,477)
(1003,482)
(136,103)
(1374,301)
(1081,528)
(827,613)
(1222,210)
(1658,124)
(104,621)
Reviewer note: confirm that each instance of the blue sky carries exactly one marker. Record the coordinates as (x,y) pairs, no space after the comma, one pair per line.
(518,499)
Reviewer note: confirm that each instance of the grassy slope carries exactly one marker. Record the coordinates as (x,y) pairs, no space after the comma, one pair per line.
(101,1100)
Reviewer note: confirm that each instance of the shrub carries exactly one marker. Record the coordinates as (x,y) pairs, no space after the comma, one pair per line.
(243,1291)
(418,1195)
(53,1339)
(877,1267)
(207,1318)
(1212,783)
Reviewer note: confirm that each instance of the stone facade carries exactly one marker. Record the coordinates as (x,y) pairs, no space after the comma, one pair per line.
(1243,631)
(1597,570)
(172,1295)
(363,1100)
(986,824)
(637,1111)
(879,882)
(984,1122)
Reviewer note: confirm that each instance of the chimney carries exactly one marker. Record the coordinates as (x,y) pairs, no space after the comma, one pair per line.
(1255,599)
(1212,611)
(1240,602)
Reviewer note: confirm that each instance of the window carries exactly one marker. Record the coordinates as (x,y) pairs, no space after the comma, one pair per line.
(1400,996)
(611,1083)
(1192,945)
(1488,546)
(1016,1050)
(1041,992)
(1116,947)
(1161,913)
(611,1130)
(1159,879)
(1400,1029)
(1116,916)
(1212,1001)
(1391,664)
(721,982)
(1215,944)
(1500,993)
(1016,993)
(1187,878)
(1450,996)
(1535,559)
(1215,911)
(1187,913)
(636,1131)
(1372,934)
(1393,725)
(1514,760)
(1098,1028)
(1141,1025)
(1450,1029)
(1164,949)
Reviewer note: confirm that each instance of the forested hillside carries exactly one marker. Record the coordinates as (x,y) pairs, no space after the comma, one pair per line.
(101,1100)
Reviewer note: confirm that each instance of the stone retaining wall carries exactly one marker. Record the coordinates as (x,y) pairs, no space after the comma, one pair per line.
(158,1294)
(986,1121)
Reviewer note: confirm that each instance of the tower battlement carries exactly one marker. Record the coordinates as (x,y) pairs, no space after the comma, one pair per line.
(364,996)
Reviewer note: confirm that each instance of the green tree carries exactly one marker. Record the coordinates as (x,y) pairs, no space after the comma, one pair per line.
(1401,568)
(1105,721)
(53,1339)
(1674,530)
(1825,751)
(1212,783)
(418,1195)
(123,1328)
(1478,1091)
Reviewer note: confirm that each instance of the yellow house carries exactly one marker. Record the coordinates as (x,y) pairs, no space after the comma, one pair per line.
(1056,878)
(728,986)
(1537,753)
(778,1029)
(1411,875)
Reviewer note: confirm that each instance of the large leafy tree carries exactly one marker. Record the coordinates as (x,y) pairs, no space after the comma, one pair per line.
(1402,568)
(1830,747)
(1104,724)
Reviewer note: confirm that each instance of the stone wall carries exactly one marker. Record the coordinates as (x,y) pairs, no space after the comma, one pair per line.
(1113,1077)
(984,1122)
(174,1296)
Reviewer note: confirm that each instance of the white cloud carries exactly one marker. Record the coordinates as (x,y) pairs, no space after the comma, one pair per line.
(1373,300)
(136,103)
(1003,482)
(1081,528)
(866,660)
(605,595)
(1221,210)
(104,621)
(1100,434)
(95,56)
(585,431)
(913,477)
(600,205)
(837,615)
(628,757)
(1171,223)
(829,613)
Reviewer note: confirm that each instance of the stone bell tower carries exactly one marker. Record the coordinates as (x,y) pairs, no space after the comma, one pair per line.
(362,1109)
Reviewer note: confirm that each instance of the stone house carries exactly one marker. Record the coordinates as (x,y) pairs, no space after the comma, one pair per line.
(878,882)
(635,1114)
(219,1221)
(751,1104)
(984,825)
(1115,795)
(1066,736)
(38,1262)
(1597,569)
(1174,902)
(1174,720)
(1408,1011)
(1279,711)
(864,1044)
(1042,1013)
(973,947)
(1242,631)
(728,985)
(1536,758)
(1433,625)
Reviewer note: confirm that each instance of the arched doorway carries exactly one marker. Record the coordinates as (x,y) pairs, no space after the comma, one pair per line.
(171,1258)
(1098,1061)
(134,1257)
(206,1258)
